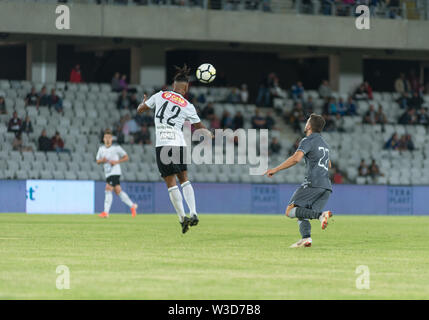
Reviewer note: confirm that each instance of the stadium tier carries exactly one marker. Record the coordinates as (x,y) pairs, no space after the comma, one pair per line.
(88,109)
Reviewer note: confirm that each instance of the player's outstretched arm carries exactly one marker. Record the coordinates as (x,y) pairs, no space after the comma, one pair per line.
(289,162)
(143,106)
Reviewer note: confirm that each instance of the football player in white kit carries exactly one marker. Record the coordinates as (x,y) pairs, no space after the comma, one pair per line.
(111,156)
(171,111)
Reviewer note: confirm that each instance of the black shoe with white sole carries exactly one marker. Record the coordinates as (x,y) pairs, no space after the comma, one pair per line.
(185,224)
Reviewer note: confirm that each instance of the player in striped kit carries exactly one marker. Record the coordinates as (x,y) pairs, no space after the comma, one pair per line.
(111,156)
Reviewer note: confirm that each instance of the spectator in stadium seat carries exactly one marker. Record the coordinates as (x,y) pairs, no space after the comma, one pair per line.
(15,124)
(43,98)
(381,116)
(406,143)
(341,107)
(234,96)
(144,119)
(325,90)
(227,121)
(45,144)
(392,143)
(329,123)
(415,101)
(134,103)
(123,82)
(337,177)
(76,74)
(214,122)
(130,126)
(27,126)
(308,107)
(17,144)
(293,148)
(264,95)
(57,143)
(143,136)
(363,92)
(238,121)
(403,87)
(414,81)
(297,91)
(258,122)
(333,108)
(117,134)
(370,116)
(408,117)
(123,102)
(363,169)
(244,94)
(269,120)
(351,107)
(32,98)
(423,117)
(116,85)
(208,111)
(55,101)
(276,91)
(296,116)
(374,170)
(327,7)
(392,8)
(2,105)
(275,146)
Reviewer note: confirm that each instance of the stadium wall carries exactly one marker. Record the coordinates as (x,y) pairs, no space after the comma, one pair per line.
(42,196)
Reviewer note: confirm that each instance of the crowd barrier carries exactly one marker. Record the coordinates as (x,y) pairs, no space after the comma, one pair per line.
(87,197)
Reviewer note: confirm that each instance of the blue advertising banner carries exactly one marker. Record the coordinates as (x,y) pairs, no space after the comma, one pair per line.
(265,198)
(51,196)
(12,195)
(400,200)
(60,196)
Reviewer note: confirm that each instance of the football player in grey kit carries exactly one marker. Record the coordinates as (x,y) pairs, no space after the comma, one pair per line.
(309,199)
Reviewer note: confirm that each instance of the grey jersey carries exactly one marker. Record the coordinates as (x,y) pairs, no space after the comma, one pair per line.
(316,155)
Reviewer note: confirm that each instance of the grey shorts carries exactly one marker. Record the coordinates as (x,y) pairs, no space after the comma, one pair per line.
(310,198)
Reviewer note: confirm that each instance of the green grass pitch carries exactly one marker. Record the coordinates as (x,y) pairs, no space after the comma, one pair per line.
(225,257)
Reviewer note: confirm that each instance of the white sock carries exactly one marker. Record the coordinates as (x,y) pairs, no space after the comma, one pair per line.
(125,199)
(177,201)
(108,201)
(188,194)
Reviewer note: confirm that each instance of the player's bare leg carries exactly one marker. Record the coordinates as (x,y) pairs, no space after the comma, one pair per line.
(177,201)
(188,194)
(126,199)
(107,201)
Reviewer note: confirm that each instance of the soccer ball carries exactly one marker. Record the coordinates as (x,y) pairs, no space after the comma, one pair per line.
(206,73)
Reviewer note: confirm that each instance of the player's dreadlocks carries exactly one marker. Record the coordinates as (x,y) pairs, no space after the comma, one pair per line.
(182,74)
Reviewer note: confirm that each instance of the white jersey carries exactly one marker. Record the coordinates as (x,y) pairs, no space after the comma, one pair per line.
(171,111)
(114,152)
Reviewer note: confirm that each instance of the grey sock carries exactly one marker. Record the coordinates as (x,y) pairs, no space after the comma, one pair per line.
(304,213)
(304,228)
